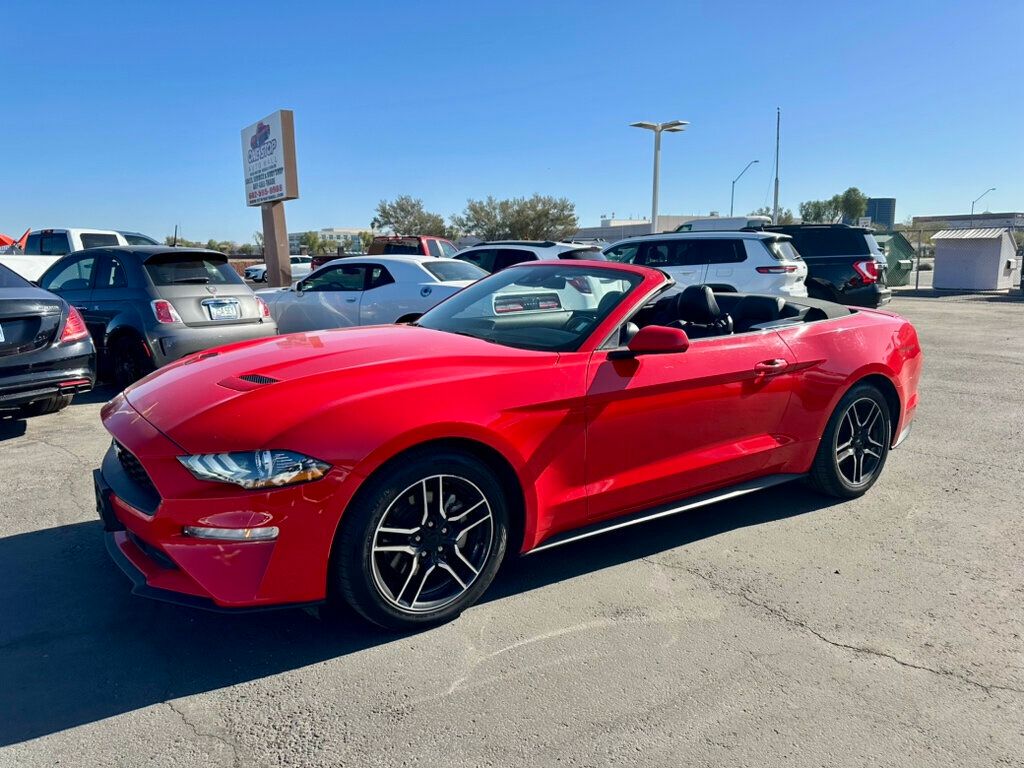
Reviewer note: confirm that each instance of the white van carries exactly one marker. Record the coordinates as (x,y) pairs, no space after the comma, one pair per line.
(44,246)
(727,224)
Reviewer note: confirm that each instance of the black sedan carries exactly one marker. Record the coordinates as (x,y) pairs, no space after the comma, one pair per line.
(46,354)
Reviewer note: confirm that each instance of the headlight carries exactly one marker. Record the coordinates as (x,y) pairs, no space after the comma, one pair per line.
(255,469)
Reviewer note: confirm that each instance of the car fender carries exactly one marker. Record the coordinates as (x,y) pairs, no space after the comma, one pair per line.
(457,431)
(124,323)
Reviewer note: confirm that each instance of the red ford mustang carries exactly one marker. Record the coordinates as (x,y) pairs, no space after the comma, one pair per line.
(393,466)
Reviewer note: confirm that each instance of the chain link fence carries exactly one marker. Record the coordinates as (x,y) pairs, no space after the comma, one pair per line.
(911,267)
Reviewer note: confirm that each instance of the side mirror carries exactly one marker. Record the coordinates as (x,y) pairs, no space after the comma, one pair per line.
(300,286)
(653,340)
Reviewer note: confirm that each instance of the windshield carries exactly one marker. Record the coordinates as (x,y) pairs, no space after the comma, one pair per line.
(184,268)
(453,270)
(551,308)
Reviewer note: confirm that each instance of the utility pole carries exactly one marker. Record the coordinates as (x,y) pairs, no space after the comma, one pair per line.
(732,195)
(673,126)
(778,128)
(990,189)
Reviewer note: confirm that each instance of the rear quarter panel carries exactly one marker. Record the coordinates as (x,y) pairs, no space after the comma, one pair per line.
(835,354)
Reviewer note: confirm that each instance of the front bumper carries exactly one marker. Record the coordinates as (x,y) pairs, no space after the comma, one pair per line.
(144,527)
(170,343)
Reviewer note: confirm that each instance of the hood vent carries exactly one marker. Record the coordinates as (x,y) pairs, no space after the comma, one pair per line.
(258,378)
(247,382)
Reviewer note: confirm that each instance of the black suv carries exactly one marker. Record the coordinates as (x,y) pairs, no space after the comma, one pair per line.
(844,263)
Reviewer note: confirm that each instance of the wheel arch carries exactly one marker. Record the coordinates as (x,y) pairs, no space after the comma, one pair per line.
(885,385)
(484,452)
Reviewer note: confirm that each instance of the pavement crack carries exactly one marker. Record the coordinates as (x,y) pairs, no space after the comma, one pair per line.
(785,617)
(235,761)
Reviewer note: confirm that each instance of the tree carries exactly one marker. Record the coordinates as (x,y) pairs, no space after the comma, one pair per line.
(407,216)
(785,214)
(257,237)
(540,217)
(365,240)
(853,203)
(312,242)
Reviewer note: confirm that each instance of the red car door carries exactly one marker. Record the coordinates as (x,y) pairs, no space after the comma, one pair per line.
(662,427)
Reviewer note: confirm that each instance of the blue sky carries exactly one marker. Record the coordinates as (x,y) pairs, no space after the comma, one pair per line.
(127,114)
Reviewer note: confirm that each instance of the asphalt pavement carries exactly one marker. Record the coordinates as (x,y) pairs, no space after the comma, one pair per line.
(780,629)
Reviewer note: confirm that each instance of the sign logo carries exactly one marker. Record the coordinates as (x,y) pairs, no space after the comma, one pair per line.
(260,137)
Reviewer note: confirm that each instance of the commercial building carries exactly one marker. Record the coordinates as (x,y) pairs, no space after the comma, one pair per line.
(966,220)
(346,238)
(882,211)
(612,229)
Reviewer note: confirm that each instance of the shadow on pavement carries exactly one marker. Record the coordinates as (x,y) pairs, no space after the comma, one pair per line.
(11,426)
(76,647)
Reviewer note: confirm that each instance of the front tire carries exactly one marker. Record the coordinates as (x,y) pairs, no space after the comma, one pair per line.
(855,445)
(422,541)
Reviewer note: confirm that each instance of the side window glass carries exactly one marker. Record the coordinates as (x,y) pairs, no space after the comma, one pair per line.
(482,257)
(507,257)
(623,253)
(116,277)
(434,248)
(350,277)
(449,250)
(379,277)
(74,276)
(654,254)
(720,251)
(32,244)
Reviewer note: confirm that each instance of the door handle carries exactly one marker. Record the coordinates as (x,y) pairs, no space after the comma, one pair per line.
(350,301)
(776,365)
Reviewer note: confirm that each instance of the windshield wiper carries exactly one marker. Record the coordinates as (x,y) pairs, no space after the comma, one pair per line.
(472,336)
(190,280)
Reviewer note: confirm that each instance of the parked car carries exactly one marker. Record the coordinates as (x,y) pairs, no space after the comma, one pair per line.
(401,245)
(500,254)
(148,305)
(751,262)
(45,246)
(137,238)
(301,267)
(844,263)
(393,466)
(725,223)
(367,291)
(46,355)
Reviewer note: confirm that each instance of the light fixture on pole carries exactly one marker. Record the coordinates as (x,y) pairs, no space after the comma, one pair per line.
(732,195)
(672,126)
(990,189)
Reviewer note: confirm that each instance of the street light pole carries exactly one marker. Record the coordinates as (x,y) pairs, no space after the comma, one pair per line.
(990,189)
(672,126)
(732,195)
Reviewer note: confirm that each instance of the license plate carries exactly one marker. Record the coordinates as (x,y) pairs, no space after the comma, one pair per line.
(223,311)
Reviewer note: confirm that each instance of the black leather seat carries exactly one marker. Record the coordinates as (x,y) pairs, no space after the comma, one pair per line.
(754,310)
(699,315)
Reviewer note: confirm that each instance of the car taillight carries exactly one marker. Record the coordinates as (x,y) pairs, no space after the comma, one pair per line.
(868,271)
(165,312)
(74,328)
(780,270)
(581,284)
(263,308)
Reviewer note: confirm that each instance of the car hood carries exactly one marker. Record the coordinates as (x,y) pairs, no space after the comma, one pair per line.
(256,393)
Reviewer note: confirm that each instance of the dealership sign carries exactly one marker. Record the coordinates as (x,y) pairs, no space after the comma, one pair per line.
(268,157)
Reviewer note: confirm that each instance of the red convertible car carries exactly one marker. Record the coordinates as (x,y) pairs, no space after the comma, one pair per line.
(392,466)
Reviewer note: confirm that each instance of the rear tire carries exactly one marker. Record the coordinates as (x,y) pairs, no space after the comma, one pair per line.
(421,542)
(49,405)
(855,445)
(128,362)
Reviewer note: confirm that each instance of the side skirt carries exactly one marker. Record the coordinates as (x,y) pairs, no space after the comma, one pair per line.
(664,510)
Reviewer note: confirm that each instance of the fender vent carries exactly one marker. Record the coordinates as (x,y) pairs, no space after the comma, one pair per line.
(258,378)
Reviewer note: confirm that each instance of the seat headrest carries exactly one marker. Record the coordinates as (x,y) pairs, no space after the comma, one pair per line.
(758,309)
(608,301)
(696,304)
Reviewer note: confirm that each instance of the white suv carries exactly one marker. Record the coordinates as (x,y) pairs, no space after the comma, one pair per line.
(496,256)
(745,262)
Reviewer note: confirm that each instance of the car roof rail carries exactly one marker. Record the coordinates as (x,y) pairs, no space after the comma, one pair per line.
(534,243)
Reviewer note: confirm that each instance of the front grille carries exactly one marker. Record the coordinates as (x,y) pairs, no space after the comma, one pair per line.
(257,378)
(135,471)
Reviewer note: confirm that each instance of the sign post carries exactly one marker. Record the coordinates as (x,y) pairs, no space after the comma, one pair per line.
(268,159)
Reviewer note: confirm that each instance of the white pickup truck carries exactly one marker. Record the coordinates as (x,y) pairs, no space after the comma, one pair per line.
(45,246)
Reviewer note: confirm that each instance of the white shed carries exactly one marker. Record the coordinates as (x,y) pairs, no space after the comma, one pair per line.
(975,259)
